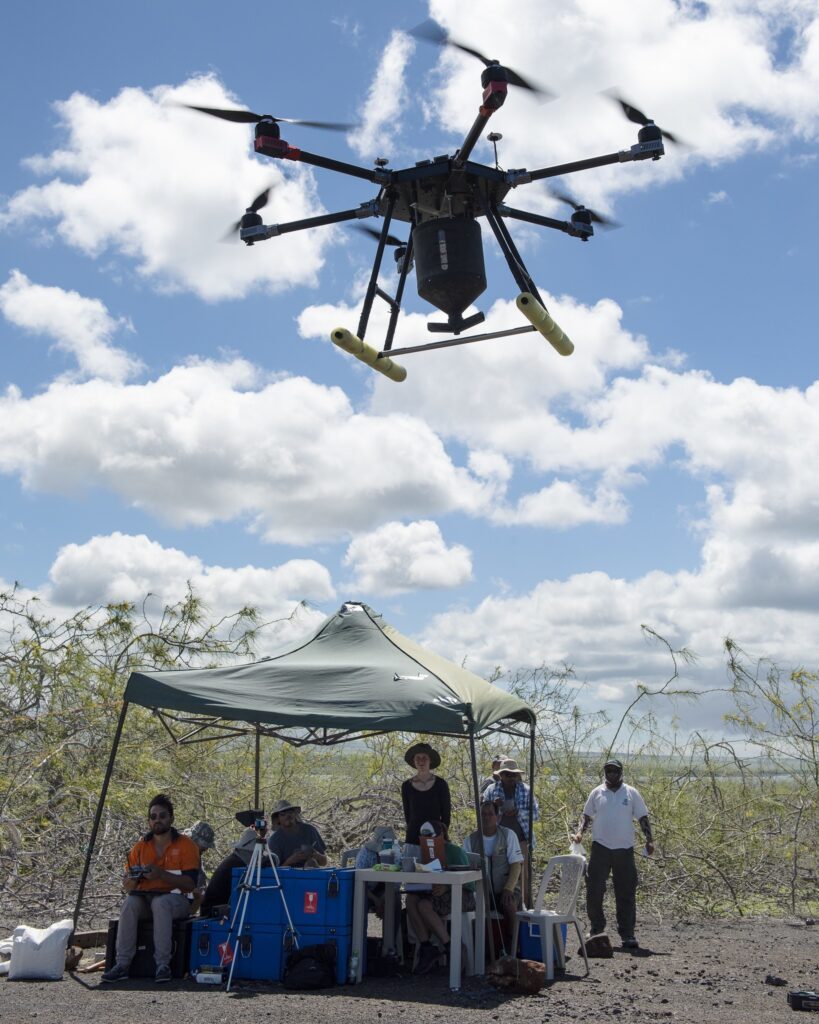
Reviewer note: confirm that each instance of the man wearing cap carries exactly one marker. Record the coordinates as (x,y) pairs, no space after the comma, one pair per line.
(162,868)
(296,843)
(611,810)
(515,798)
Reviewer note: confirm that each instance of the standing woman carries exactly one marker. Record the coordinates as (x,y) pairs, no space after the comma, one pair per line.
(425,796)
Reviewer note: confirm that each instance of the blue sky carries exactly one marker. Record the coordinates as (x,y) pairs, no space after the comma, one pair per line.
(172,408)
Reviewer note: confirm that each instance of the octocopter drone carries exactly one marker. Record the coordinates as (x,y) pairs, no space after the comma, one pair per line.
(442,200)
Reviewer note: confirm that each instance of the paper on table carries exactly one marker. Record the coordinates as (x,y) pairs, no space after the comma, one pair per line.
(433,865)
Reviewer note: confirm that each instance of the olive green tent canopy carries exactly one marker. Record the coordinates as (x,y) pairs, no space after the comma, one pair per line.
(354,674)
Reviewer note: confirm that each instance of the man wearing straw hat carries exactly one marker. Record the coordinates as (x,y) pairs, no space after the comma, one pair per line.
(296,843)
(515,798)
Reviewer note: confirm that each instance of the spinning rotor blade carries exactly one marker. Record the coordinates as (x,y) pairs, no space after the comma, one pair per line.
(390,239)
(636,116)
(248,117)
(431,32)
(258,203)
(597,218)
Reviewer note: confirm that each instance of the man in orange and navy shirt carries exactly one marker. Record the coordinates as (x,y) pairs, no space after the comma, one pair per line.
(162,868)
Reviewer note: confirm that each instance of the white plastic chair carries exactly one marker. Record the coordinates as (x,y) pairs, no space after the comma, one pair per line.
(570,868)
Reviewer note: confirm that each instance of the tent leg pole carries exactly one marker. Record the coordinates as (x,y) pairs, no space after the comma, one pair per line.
(531,812)
(98,815)
(256,779)
(487,894)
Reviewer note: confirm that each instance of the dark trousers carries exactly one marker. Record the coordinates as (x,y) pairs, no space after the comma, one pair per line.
(218,890)
(624,876)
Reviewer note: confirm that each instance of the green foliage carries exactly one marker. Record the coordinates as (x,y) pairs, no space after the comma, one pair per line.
(736,831)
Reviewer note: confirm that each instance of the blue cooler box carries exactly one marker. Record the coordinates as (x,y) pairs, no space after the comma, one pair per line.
(259,951)
(529,941)
(316,897)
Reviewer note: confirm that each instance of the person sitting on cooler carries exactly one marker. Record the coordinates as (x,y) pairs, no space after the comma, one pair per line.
(162,868)
(296,843)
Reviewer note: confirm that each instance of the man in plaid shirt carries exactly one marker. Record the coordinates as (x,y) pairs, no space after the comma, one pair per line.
(514,797)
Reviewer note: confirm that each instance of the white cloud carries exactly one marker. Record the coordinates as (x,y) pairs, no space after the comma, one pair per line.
(217,441)
(563,504)
(399,557)
(143,178)
(717,197)
(79,325)
(385,101)
(120,567)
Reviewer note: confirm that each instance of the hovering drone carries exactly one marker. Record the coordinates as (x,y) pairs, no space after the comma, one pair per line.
(442,200)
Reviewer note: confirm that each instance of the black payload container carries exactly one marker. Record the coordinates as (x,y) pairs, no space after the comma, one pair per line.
(449,263)
(143,966)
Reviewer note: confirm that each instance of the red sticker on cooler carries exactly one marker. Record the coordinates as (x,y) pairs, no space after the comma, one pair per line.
(225,953)
(311,903)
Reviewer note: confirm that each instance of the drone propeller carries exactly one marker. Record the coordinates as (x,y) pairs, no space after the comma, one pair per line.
(248,117)
(597,218)
(258,203)
(636,116)
(390,239)
(431,32)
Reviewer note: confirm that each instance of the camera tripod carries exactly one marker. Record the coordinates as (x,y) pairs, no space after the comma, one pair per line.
(252,882)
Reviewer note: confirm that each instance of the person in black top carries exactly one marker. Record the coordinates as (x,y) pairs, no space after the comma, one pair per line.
(425,796)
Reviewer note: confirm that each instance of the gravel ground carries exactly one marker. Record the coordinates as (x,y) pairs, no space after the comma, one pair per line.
(690,972)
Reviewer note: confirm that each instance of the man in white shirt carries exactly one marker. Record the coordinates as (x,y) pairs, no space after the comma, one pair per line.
(611,810)
(504,861)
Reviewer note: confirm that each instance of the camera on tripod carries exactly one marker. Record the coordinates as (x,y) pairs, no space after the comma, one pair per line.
(254,819)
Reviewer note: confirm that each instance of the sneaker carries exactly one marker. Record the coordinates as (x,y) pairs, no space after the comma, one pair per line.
(629,942)
(116,973)
(163,974)
(427,959)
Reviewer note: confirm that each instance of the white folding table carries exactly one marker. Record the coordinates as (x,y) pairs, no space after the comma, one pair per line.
(457,879)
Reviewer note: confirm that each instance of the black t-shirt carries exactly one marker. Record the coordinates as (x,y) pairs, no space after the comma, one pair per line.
(433,804)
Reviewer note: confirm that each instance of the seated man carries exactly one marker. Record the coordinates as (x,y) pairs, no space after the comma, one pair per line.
(162,868)
(426,910)
(504,862)
(296,843)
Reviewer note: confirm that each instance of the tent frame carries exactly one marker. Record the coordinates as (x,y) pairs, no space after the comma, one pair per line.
(308,736)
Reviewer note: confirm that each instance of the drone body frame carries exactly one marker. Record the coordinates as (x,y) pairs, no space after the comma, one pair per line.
(442,200)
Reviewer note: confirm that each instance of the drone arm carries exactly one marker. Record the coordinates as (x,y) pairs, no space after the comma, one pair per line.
(262,231)
(494,96)
(534,218)
(472,137)
(651,150)
(281,150)
(378,176)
